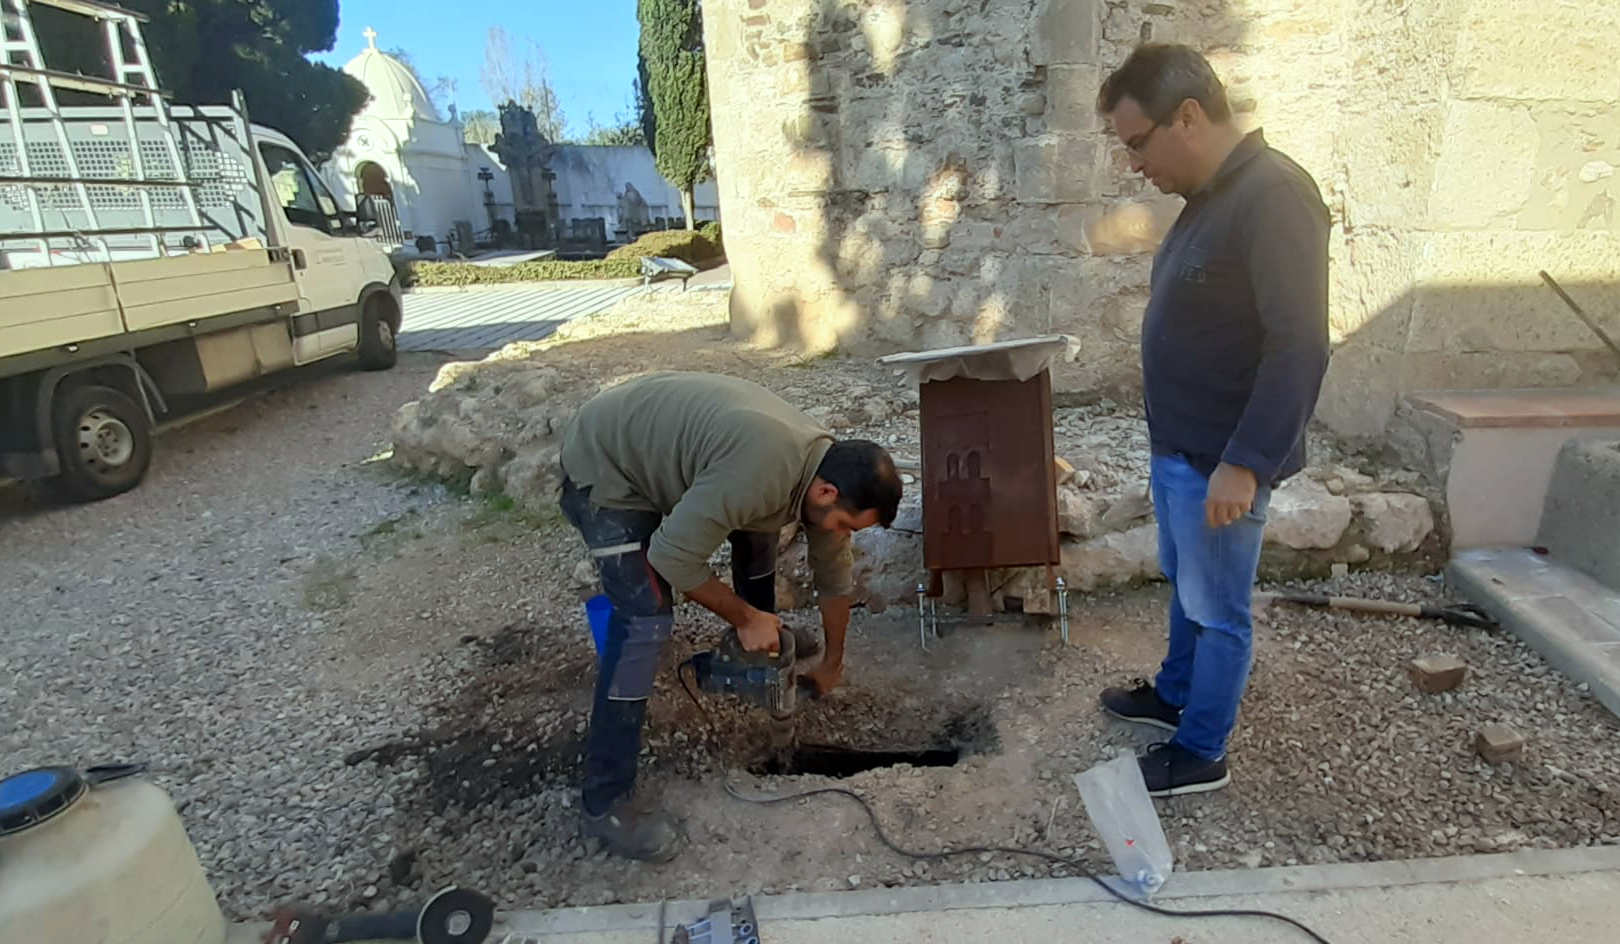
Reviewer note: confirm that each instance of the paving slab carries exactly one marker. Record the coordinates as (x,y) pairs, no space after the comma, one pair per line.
(488,319)
(1570,619)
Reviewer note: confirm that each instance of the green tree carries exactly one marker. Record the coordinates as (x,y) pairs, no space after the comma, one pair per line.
(672,47)
(619,134)
(204,49)
(643,104)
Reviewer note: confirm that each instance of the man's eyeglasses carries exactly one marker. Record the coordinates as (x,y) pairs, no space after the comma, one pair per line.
(1138,142)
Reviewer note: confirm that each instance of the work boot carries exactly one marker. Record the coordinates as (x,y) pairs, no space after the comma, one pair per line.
(1142,705)
(1172,770)
(635,831)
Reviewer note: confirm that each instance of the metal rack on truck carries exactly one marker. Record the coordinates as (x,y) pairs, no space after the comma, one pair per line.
(151,250)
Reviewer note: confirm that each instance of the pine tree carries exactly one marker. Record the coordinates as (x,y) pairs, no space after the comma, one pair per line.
(672,48)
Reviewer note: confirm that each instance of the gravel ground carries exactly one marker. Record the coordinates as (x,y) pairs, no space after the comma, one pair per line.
(359,686)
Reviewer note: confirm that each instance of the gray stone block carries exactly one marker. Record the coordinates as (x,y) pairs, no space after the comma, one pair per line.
(1580,522)
(1566,616)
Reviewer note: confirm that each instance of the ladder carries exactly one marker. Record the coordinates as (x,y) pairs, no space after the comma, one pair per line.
(22,64)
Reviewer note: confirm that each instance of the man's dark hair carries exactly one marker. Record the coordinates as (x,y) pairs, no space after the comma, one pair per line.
(1160,77)
(864,474)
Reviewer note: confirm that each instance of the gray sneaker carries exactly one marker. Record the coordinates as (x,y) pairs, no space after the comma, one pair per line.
(629,830)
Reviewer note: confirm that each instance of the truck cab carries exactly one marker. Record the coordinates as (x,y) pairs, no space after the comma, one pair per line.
(331,255)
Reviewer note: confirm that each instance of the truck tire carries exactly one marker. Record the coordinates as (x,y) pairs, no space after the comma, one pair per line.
(103,440)
(378,347)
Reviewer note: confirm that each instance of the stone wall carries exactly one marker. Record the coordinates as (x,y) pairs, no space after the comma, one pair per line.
(898,174)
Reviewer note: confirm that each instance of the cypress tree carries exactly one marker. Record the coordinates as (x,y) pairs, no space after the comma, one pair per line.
(676,83)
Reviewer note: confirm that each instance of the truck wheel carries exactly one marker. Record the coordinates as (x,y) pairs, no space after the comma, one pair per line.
(378,347)
(104,443)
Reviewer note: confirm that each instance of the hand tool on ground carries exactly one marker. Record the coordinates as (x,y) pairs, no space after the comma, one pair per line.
(763,679)
(726,923)
(452,916)
(1458,614)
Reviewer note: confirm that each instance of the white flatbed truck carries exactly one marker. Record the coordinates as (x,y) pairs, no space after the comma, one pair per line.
(150,251)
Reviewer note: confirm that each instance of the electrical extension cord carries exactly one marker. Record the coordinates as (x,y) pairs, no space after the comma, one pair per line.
(1074,864)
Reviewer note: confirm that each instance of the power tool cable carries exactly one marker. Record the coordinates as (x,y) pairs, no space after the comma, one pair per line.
(1052,857)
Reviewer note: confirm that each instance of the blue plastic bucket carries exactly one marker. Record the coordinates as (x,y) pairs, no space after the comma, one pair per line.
(597,610)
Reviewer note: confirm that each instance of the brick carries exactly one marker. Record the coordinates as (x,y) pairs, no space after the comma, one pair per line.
(1433,674)
(1499,744)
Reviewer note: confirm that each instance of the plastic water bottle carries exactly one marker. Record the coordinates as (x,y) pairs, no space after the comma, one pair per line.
(1117,801)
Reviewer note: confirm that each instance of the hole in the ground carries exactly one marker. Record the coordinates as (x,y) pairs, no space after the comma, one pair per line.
(828,760)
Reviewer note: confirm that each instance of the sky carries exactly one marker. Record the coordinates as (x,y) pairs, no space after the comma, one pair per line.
(590,46)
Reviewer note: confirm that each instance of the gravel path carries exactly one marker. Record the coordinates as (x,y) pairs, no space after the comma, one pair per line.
(359,687)
(184,624)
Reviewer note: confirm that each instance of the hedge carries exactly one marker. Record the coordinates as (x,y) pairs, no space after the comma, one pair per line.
(429,273)
(683,244)
(624,262)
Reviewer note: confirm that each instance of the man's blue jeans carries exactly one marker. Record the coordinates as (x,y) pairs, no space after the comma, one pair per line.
(1211,628)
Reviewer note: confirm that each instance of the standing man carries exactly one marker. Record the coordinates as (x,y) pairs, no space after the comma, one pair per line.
(1234,346)
(657,472)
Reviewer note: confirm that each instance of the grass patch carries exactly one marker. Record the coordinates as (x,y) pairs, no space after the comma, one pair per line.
(501,519)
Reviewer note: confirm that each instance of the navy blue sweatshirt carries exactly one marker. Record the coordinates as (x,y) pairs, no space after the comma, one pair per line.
(1235,338)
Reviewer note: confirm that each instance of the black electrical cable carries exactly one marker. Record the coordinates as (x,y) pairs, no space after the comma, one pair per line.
(1034,853)
(1074,864)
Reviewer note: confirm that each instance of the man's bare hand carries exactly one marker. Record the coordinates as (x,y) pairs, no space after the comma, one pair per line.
(826,676)
(760,632)
(1231,495)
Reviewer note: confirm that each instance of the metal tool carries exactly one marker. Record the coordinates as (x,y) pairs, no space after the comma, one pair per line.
(1581,314)
(452,916)
(927,617)
(726,923)
(1458,614)
(763,679)
(1063,609)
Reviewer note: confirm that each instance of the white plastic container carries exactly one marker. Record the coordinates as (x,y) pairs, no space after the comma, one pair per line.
(113,866)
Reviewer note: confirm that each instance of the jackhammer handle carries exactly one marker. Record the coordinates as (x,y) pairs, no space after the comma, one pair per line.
(398,926)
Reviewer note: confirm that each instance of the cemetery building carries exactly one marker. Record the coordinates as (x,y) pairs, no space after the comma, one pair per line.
(422,180)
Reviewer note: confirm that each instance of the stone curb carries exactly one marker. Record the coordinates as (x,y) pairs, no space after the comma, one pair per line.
(1038,892)
(1555,610)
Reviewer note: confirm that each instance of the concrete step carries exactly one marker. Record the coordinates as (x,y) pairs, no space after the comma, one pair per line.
(1490,453)
(1570,619)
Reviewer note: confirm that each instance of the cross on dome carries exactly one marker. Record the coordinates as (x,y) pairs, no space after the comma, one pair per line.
(371,37)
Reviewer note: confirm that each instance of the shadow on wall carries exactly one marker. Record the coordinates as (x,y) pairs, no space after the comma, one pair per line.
(1468,337)
(949,166)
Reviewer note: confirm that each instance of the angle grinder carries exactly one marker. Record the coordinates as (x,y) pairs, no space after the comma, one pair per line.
(452,916)
(763,679)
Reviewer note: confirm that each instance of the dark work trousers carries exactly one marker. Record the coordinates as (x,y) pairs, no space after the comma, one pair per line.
(643,616)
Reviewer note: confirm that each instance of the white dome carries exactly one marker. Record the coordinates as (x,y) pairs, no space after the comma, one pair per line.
(395,91)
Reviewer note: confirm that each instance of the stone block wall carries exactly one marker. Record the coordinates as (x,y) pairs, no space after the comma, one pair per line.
(900,174)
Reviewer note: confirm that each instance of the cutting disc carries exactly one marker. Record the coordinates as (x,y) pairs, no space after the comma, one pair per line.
(456,916)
